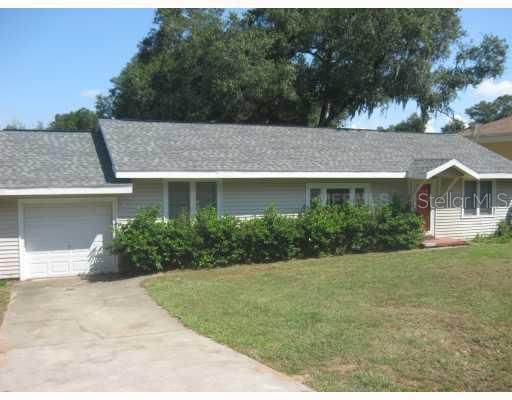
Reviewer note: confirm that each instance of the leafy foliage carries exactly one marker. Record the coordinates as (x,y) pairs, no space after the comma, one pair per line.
(396,228)
(271,238)
(412,124)
(454,126)
(104,106)
(147,243)
(488,111)
(298,66)
(81,119)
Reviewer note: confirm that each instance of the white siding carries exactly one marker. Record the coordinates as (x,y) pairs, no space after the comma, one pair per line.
(249,198)
(146,193)
(9,250)
(383,190)
(450,222)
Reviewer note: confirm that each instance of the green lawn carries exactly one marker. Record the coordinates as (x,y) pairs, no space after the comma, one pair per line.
(417,320)
(4,298)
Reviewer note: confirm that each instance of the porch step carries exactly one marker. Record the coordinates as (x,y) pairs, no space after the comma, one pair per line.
(442,242)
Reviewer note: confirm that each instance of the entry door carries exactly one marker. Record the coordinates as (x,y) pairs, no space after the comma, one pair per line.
(423,205)
(67,239)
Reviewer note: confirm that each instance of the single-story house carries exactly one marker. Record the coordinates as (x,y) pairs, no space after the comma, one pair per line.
(62,192)
(495,135)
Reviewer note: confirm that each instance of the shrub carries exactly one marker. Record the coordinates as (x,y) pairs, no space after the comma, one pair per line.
(397,228)
(504,229)
(357,229)
(218,242)
(336,230)
(141,241)
(319,230)
(271,238)
(149,244)
(180,243)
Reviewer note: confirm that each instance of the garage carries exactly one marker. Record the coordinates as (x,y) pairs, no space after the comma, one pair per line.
(62,238)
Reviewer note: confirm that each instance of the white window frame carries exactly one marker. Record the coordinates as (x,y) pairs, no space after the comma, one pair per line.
(350,186)
(493,194)
(192,194)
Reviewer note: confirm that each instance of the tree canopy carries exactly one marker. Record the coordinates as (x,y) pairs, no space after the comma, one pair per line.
(299,66)
(488,111)
(81,119)
(412,124)
(454,126)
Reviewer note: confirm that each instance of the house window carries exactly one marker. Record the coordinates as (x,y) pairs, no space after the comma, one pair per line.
(314,194)
(359,199)
(485,198)
(470,196)
(179,198)
(331,194)
(188,197)
(478,198)
(338,196)
(206,195)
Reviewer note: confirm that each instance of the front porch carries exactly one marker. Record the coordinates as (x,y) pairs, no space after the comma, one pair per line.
(454,201)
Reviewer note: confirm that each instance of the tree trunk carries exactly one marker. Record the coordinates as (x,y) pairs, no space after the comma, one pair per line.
(323,119)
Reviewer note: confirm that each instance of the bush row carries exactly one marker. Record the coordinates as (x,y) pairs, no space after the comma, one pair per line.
(147,243)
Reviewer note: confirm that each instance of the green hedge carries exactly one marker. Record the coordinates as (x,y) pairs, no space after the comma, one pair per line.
(149,244)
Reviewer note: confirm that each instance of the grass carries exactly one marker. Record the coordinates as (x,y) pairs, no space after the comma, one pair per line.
(416,321)
(4,298)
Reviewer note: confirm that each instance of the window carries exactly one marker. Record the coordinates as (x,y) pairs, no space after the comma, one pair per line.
(485,202)
(179,198)
(337,193)
(314,194)
(470,195)
(188,197)
(206,195)
(338,196)
(478,198)
(359,197)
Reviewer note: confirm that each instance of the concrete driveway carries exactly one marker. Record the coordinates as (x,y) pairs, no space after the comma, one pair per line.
(70,334)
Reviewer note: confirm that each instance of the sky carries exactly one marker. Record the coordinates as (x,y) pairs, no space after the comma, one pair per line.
(55,61)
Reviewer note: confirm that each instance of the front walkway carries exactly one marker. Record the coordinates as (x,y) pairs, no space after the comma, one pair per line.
(73,335)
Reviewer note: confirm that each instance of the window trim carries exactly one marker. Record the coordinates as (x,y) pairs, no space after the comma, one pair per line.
(192,194)
(493,195)
(350,186)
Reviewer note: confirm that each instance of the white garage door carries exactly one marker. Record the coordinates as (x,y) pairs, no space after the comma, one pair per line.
(67,239)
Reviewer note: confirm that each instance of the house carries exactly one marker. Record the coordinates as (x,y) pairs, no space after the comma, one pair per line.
(495,135)
(62,192)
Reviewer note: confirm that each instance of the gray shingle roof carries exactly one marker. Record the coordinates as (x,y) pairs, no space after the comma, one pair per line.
(42,159)
(168,147)
(419,167)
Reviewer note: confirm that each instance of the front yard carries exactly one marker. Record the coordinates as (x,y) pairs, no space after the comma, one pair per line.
(4,298)
(416,320)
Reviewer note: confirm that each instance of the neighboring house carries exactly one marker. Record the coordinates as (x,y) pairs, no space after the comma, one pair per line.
(496,136)
(62,192)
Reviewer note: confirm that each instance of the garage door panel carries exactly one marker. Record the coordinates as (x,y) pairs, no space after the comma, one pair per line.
(67,239)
